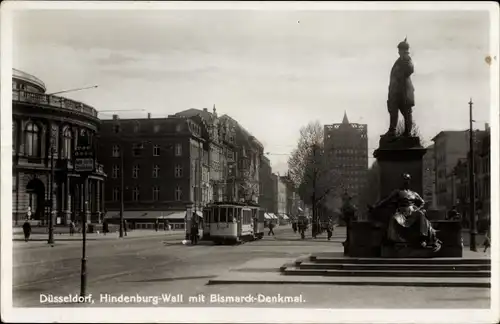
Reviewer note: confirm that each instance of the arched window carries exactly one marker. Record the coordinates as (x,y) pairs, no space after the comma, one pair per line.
(32,143)
(67,143)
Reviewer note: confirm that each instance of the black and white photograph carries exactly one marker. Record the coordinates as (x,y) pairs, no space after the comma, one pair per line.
(250,161)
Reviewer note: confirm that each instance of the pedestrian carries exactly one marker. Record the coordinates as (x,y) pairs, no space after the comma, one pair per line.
(125,227)
(26,230)
(271,227)
(294,226)
(165,225)
(72,228)
(329,229)
(105,227)
(194,233)
(157,225)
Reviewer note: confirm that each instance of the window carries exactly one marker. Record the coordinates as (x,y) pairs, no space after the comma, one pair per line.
(223,215)
(116,194)
(116,151)
(32,140)
(135,194)
(178,193)
(156,128)
(135,172)
(67,140)
(156,150)
(116,170)
(156,193)
(137,149)
(156,171)
(178,171)
(178,149)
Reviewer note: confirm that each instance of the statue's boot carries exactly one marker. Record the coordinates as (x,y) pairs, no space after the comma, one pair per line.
(408,122)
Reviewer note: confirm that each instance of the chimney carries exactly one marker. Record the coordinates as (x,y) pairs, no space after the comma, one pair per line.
(149,115)
(115,117)
(205,109)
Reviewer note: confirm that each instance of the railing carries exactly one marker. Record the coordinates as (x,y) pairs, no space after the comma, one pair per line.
(27,77)
(53,101)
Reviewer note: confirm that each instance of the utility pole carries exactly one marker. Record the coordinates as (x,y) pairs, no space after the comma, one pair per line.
(314,225)
(122,187)
(472,188)
(83,274)
(51,194)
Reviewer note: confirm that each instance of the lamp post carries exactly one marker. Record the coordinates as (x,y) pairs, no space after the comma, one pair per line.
(472,187)
(51,194)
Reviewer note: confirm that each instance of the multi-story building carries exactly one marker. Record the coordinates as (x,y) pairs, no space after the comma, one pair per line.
(346,151)
(274,179)
(449,148)
(45,131)
(163,161)
(247,156)
(429,178)
(461,172)
(267,190)
(282,196)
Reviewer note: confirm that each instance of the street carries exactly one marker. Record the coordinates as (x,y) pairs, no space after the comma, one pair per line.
(158,264)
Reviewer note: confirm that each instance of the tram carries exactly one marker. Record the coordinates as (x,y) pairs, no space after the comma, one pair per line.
(232,223)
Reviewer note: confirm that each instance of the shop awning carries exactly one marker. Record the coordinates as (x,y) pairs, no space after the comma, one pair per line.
(268,216)
(176,215)
(138,214)
(285,216)
(273,216)
(199,213)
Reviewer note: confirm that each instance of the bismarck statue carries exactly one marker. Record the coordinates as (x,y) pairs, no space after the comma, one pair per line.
(401,92)
(408,223)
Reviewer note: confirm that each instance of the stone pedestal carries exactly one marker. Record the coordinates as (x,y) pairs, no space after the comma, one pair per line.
(398,155)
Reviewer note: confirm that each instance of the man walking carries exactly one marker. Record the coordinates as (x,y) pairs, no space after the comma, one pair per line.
(26,230)
(194,233)
(271,227)
(329,229)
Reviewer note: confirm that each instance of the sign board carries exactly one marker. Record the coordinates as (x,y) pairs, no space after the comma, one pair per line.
(84,164)
(84,159)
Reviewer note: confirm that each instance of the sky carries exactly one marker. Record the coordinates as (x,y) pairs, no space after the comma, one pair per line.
(273,71)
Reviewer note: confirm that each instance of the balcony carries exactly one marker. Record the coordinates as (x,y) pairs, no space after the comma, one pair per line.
(52,101)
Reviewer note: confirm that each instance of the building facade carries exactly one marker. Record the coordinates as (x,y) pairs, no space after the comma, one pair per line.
(449,148)
(267,190)
(346,151)
(429,178)
(45,131)
(461,180)
(282,196)
(163,162)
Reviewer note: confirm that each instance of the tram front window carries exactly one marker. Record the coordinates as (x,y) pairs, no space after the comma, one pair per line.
(223,215)
(230,215)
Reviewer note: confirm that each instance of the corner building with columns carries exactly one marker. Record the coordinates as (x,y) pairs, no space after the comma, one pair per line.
(45,131)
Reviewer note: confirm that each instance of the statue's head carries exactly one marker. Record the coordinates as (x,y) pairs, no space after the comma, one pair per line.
(403,47)
(406,180)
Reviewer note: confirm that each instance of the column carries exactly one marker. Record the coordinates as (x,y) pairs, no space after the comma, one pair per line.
(67,200)
(98,200)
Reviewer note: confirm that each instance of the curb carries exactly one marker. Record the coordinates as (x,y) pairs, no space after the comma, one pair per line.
(360,283)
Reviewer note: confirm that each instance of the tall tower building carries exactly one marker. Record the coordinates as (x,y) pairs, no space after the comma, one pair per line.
(346,151)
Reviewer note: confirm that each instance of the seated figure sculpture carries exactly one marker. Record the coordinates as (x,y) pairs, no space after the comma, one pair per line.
(408,223)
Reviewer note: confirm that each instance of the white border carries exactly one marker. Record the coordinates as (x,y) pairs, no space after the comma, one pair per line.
(235,315)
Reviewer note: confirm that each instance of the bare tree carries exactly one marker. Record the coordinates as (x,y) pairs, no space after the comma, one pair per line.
(371,191)
(309,170)
(415,131)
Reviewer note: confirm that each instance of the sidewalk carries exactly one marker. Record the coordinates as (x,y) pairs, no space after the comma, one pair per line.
(42,237)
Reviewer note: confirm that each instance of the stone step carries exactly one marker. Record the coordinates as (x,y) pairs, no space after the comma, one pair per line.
(276,278)
(385,273)
(415,267)
(453,261)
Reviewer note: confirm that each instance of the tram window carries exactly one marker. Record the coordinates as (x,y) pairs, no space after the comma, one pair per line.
(215,215)
(206,215)
(247,216)
(230,215)
(223,215)
(237,213)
